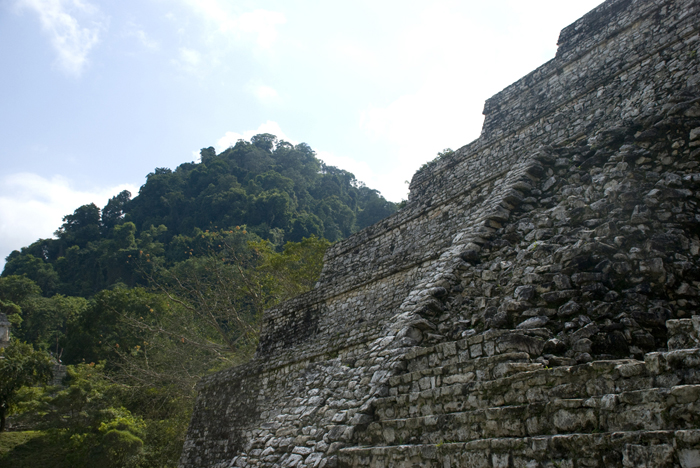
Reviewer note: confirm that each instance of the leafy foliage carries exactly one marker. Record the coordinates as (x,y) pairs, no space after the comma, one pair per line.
(278,191)
(441,155)
(87,418)
(20,365)
(294,270)
(162,289)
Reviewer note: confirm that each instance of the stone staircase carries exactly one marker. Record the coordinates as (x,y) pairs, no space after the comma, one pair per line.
(486,401)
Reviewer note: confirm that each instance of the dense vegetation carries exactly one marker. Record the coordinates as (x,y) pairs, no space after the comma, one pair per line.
(279,192)
(144,296)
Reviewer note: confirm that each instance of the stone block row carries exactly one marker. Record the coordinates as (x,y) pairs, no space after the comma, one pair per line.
(636,449)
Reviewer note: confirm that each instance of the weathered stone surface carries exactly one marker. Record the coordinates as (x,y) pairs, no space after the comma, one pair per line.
(534,304)
(5,326)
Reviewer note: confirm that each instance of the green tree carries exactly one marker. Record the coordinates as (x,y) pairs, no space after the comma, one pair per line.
(20,365)
(305,225)
(206,155)
(375,208)
(293,271)
(46,321)
(114,210)
(264,141)
(273,208)
(14,290)
(88,419)
(209,310)
(80,227)
(219,296)
(99,332)
(34,268)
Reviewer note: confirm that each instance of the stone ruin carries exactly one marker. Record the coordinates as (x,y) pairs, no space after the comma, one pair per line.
(535,304)
(5,326)
(59,370)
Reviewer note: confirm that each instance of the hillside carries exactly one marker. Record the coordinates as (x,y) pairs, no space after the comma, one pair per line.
(268,188)
(142,298)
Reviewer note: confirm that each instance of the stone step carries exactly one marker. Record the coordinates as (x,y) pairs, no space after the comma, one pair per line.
(597,378)
(484,368)
(658,449)
(518,380)
(650,409)
(499,342)
(685,363)
(487,344)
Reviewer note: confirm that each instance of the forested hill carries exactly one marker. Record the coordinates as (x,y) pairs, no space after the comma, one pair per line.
(268,188)
(143,297)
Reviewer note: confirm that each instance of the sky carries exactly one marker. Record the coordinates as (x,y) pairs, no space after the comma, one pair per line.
(94,95)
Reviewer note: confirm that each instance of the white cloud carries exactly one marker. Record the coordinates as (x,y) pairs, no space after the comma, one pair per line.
(71,40)
(32,207)
(230,138)
(354,52)
(190,57)
(259,24)
(443,113)
(422,123)
(360,169)
(191,61)
(444,108)
(454,80)
(133,30)
(265,93)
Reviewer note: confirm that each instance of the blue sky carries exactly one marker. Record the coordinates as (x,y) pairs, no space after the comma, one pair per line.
(95,95)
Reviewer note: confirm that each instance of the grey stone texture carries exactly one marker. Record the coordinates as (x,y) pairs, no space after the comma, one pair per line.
(5,327)
(535,304)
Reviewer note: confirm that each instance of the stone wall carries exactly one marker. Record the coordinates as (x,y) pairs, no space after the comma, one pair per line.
(534,303)
(5,326)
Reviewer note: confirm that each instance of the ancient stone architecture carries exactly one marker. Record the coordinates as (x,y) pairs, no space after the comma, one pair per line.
(5,326)
(534,305)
